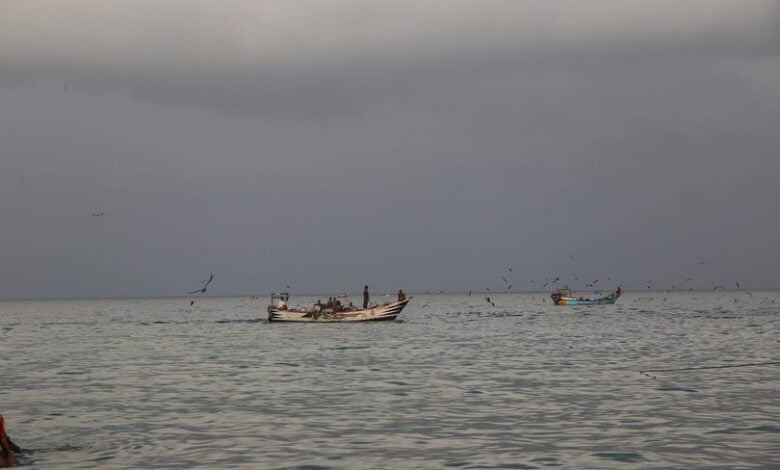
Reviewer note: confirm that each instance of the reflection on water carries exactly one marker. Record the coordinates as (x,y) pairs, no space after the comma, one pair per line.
(458,384)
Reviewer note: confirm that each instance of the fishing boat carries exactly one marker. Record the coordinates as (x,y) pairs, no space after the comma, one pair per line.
(564,297)
(279,312)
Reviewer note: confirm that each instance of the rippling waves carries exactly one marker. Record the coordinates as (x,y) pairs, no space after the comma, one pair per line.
(457,383)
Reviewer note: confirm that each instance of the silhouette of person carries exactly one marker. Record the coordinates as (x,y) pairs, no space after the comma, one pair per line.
(7,447)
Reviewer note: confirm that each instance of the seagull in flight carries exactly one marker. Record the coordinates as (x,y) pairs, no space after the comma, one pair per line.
(203,289)
(490,301)
(570,256)
(504,279)
(98,214)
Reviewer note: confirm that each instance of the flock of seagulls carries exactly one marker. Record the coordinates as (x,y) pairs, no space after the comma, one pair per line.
(547,281)
(594,284)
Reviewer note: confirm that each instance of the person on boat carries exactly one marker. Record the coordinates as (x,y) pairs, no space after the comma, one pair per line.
(337,307)
(281,304)
(318,306)
(401,295)
(351,307)
(619,290)
(7,447)
(366,297)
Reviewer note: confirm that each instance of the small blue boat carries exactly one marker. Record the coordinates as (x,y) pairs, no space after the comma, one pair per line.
(564,297)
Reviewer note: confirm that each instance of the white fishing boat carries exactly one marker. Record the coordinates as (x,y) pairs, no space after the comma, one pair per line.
(279,312)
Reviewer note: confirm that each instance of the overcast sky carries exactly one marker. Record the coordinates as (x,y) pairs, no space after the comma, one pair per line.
(417,144)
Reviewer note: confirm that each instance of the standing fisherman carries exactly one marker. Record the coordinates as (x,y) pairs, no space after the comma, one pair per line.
(365,297)
(7,447)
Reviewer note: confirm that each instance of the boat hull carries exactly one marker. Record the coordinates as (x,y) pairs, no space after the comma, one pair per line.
(386,312)
(560,299)
(565,301)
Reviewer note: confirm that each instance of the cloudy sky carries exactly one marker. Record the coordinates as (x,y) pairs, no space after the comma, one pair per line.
(418,144)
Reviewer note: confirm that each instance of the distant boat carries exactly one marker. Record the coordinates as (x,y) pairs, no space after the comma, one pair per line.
(278,312)
(564,297)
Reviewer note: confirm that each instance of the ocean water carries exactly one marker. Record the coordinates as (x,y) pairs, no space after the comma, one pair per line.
(457,383)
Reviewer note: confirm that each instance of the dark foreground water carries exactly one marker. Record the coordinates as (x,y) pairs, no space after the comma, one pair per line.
(457,384)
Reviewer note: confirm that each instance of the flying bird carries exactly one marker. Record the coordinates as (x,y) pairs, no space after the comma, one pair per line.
(504,279)
(509,269)
(509,287)
(98,214)
(469,294)
(702,262)
(441,291)
(490,301)
(738,284)
(203,289)
(715,288)
(570,256)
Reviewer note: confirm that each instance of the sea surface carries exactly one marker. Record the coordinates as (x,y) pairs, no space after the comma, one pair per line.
(456,383)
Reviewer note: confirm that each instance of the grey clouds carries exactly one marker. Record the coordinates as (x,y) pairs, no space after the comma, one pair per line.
(421,145)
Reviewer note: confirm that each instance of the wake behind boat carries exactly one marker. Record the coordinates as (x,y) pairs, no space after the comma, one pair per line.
(279,312)
(564,297)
